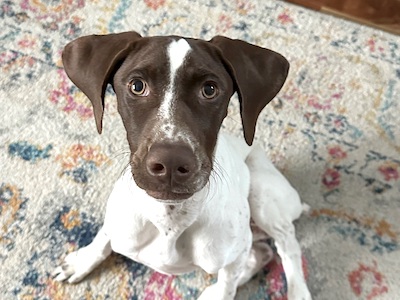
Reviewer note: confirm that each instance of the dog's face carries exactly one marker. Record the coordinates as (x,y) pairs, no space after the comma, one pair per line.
(173,94)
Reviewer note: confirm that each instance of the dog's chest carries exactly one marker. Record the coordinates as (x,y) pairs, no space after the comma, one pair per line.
(169,240)
(181,239)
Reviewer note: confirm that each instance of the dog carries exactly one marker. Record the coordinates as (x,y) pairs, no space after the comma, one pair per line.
(192,197)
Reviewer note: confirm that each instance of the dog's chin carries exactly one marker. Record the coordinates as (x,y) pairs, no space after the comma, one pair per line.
(169,197)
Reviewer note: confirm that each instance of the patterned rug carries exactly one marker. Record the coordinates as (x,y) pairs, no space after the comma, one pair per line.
(334,131)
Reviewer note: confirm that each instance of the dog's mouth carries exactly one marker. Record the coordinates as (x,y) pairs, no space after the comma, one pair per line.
(169,197)
(167,193)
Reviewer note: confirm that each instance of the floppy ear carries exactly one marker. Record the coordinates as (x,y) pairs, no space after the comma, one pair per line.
(258,73)
(90,63)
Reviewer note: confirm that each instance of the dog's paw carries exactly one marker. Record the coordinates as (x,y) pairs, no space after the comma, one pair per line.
(74,268)
(217,292)
(300,294)
(306,208)
(302,297)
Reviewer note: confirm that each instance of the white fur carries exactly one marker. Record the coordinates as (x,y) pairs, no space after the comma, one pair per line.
(211,230)
(177,52)
(166,128)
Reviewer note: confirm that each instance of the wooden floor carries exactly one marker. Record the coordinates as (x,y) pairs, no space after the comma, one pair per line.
(383,14)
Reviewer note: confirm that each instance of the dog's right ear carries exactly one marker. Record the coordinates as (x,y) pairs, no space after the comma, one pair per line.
(90,62)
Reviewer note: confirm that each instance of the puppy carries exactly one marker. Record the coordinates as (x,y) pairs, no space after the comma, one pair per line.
(191,193)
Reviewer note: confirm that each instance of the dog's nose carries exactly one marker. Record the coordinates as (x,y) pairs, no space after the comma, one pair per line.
(170,163)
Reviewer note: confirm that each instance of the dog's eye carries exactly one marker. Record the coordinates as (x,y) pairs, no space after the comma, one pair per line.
(209,90)
(138,87)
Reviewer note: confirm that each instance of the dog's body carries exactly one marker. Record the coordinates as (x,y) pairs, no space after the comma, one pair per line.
(176,239)
(194,191)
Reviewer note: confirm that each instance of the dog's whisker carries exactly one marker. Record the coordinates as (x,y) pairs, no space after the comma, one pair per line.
(214,180)
(123,161)
(126,166)
(121,150)
(118,160)
(119,153)
(234,119)
(219,172)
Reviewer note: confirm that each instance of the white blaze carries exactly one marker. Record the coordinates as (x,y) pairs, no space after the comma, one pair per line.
(177,52)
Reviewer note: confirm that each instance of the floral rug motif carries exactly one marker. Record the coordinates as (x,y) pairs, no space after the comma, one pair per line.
(333,130)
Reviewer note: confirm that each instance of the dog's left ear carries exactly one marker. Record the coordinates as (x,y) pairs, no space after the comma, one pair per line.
(258,73)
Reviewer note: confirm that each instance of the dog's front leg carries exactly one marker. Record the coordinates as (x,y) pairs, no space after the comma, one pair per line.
(81,262)
(228,280)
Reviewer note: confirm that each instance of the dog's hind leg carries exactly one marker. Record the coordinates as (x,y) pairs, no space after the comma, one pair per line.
(289,250)
(260,254)
(228,280)
(274,205)
(81,262)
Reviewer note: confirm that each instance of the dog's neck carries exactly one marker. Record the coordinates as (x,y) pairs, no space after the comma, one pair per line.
(172,220)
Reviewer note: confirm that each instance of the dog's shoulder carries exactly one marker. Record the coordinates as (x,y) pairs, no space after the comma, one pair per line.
(231,146)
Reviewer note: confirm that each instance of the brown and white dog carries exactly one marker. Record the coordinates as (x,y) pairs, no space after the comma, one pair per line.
(189,196)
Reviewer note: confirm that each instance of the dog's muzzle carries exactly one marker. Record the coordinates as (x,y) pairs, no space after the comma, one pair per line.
(170,172)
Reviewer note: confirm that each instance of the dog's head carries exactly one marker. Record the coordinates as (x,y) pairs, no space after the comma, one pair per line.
(173,94)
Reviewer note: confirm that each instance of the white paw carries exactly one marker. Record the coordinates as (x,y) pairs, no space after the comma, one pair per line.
(74,268)
(300,294)
(306,208)
(216,292)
